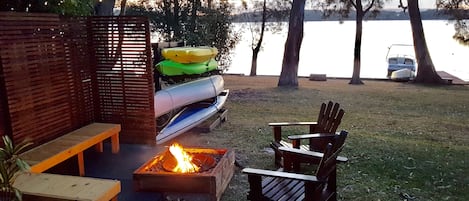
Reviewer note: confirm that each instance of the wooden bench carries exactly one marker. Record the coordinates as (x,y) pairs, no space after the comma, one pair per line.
(48,155)
(53,187)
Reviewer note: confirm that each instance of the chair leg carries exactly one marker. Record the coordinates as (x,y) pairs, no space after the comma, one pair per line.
(277,156)
(332,185)
(255,188)
(277,138)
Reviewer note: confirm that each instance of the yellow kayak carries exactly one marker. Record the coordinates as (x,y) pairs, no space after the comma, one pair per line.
(189,54)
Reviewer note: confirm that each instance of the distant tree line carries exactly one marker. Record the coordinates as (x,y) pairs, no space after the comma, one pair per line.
(319,15)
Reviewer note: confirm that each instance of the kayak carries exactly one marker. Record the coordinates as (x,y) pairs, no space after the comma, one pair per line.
(190,117)
(189,54)
(172,68)
(187,93)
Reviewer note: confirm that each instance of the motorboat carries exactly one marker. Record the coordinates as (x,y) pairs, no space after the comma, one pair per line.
(401,56)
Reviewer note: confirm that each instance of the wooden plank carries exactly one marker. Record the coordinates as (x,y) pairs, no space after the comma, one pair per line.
(47,155)
(64,187)
(451,79)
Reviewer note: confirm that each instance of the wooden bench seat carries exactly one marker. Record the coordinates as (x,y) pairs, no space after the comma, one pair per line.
(53,187)
(47,155)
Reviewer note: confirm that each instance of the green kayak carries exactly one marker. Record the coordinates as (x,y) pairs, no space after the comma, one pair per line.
(172,68)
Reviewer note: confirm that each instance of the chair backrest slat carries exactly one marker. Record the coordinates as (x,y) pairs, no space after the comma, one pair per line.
(329,118)
(329,160)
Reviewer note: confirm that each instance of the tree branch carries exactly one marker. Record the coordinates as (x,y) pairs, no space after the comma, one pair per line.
(353,4)
(369,7)
(401,5)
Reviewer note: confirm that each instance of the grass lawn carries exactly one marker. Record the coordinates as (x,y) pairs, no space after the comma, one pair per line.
(406,141)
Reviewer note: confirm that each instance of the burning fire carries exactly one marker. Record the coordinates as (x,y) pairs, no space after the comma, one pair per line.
(184,160)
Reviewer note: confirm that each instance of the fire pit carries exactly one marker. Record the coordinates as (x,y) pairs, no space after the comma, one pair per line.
(196,172)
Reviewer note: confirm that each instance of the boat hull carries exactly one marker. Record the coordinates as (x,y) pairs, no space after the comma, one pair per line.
(172,68)
(187,55)
(190,117)
(402,75)
(180,95)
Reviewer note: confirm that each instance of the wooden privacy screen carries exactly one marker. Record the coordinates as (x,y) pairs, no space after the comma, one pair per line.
(77,59)
(124,76)
(57,75)
(35,76)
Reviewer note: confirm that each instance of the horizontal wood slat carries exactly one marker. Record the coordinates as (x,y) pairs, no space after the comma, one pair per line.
(35,77)
(59,74)
(124,75)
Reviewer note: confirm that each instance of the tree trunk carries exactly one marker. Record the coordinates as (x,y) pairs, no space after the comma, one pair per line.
(357,49)
(193,19)
(104,8)
(426,72)
(291,55)
(123,7)
(176,21)
(255,50)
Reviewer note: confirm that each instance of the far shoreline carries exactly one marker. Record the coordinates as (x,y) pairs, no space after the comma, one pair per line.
(454,80)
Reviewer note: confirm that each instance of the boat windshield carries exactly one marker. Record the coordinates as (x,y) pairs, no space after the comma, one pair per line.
(400,50)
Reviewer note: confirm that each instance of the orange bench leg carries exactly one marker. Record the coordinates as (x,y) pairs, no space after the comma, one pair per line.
(115,143)
(81,164)
(99,147)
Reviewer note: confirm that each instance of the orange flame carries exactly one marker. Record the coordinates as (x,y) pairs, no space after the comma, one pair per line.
(184,160)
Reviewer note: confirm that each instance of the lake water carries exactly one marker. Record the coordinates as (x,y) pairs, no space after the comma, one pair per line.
(327,48)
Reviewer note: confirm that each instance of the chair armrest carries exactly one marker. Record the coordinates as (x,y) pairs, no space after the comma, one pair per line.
(301,152)
(280,174)
(309,136)
(310,156)
(278,127)
(306,123)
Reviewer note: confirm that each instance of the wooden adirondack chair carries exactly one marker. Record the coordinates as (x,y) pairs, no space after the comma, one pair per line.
(282,185)
(320,132)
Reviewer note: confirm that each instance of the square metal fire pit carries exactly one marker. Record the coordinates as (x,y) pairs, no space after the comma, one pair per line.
(206,185)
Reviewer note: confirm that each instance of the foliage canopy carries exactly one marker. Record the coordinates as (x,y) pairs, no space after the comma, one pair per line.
(192,21)
(62,7)
(459,9)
